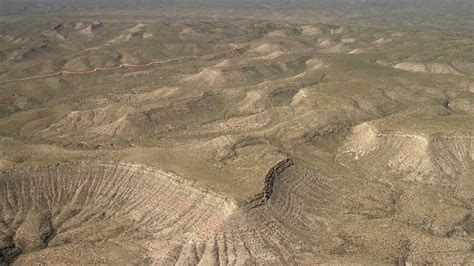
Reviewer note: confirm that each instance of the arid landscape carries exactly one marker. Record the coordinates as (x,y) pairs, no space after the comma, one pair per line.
(270,137)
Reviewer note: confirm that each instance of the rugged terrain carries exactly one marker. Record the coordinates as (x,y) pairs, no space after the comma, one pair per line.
(194,141)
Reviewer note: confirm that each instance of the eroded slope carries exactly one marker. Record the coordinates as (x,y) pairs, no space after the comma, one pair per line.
(293,143)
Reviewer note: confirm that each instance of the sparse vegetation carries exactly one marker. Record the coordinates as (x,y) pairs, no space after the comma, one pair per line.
(234,141)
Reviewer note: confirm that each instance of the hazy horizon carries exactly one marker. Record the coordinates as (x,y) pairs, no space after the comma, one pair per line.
(442,15)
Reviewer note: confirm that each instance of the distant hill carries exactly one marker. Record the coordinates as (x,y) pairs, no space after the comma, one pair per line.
(437,15)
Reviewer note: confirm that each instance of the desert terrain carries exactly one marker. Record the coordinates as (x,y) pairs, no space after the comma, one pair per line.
(213,141)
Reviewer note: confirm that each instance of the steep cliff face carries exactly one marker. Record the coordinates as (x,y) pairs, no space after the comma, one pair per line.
(269,183)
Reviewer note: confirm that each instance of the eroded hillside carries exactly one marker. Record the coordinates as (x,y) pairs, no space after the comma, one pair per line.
(234,142)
